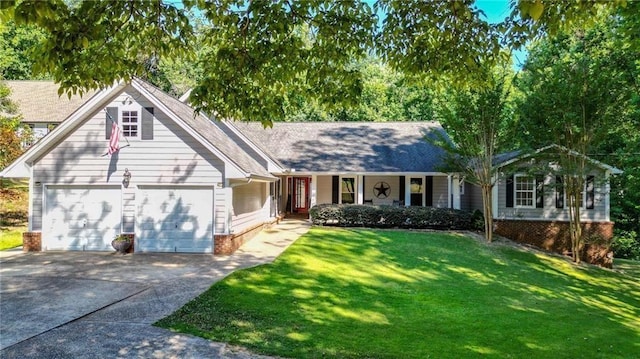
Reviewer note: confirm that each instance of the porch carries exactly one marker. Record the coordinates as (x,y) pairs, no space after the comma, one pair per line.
(301,192)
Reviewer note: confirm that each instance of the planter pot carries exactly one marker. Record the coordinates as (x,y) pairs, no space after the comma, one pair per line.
(121,246)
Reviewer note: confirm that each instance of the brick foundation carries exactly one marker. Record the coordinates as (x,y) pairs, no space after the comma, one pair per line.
(554,236)
(31,241)
(225,244)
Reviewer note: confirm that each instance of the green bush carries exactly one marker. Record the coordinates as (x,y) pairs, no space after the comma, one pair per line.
(626,244)
(390,217)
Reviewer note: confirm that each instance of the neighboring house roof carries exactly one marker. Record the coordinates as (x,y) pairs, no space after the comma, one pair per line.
(340,147)
(509,158)
(38,101)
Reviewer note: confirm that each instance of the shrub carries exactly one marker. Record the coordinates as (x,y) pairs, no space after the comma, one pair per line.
(390,217)
(626,244)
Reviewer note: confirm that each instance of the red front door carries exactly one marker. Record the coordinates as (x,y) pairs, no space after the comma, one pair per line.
(301,194)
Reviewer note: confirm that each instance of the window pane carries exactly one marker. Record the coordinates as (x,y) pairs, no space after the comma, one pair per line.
(525,191)
(416,185)
(348,190)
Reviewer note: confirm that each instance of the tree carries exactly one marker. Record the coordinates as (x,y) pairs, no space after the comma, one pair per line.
(477,118)
(257,51)
(574,89)
(12,134)
(17,42)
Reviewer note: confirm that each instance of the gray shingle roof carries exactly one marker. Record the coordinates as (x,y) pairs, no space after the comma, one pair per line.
(38,101)
(214,135)
(349,146)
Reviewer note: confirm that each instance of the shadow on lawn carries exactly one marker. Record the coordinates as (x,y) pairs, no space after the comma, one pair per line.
(436,294)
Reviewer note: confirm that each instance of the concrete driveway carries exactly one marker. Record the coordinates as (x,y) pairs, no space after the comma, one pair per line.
(91,305)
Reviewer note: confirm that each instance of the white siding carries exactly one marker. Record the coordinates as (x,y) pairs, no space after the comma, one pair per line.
(440,192)
(250,205)
(394,193)
(550,212)
(172,157)
(324,189)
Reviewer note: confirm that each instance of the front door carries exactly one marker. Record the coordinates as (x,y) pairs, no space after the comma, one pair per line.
(300,194)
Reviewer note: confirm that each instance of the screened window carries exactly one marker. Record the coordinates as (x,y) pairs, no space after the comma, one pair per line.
(348,190)
(525,191)
(130,123)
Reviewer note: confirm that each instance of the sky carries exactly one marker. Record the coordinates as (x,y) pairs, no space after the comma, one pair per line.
(496,11)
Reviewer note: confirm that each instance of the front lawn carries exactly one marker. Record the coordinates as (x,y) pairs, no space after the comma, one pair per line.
(346,293)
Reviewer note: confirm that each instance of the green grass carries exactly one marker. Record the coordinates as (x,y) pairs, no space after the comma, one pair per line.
(628,267)
(342,293)
(14,204)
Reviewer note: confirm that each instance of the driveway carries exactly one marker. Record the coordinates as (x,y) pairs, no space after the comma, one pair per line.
(90,304)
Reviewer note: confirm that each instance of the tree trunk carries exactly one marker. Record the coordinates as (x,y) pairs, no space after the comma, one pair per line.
(574,191)
(488,212)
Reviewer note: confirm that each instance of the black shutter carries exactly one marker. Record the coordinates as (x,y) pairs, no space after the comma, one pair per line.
(364,190)
(147,123)
(335,189)
(539,191)
(559,192)
(590,192)
(402,190)
(510,180)
(111,117)
(428,187)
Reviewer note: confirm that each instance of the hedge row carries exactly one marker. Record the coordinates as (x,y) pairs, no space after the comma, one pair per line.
(390,217)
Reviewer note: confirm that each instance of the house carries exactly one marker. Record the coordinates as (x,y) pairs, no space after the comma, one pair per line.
(530,206)
(35,101)
(181,182)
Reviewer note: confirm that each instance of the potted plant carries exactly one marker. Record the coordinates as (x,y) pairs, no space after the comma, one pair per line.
(121,243)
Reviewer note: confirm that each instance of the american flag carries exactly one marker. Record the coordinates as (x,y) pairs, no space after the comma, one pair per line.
(114,140)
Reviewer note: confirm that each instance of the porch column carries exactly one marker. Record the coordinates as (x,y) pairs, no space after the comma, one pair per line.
(449,193)
(456,192)
(494,196)
(314,191)
(360,194)
(407,191)
(607,199)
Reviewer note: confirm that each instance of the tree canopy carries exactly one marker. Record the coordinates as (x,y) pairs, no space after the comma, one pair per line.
(253,53)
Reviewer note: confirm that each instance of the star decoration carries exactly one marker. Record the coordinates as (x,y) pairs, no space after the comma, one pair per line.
(381,189)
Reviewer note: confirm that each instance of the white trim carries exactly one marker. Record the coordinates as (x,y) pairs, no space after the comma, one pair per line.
(422,189)
(494,197)
(607,199)
(313,200)
(355,188)
(30,210)
(515,191)
(523,156)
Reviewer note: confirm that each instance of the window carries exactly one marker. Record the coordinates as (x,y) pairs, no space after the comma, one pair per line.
(348,190)
(588,193)
(525,191)
(416,191)
(130,123)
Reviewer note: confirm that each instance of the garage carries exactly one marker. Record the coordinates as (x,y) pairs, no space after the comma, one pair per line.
(81,218)
(175,219)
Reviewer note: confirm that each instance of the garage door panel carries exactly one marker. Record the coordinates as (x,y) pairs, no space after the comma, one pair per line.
(79,218)
(175,219)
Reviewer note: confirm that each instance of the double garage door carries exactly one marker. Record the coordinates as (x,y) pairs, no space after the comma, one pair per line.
(167,219)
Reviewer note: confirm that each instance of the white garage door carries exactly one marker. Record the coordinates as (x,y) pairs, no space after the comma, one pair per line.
(174,219)
(81,218)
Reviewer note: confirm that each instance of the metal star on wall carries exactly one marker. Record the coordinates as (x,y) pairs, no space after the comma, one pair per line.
(381,189)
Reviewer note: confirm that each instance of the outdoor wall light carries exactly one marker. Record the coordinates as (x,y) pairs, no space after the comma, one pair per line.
(126,178)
